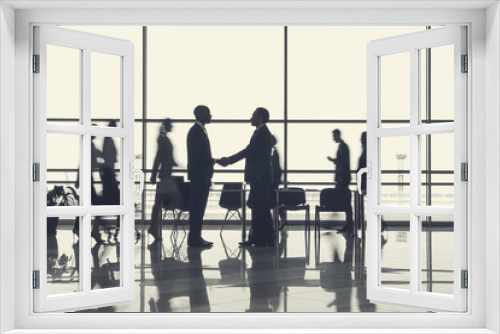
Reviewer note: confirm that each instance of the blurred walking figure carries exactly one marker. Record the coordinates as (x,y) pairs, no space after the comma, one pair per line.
(362,162)
(109,152)
(163,164)
(110,189)
(200,172)
(342,162)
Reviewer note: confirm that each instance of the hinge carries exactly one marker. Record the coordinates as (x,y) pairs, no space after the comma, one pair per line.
(465,64)
(465,279)
(36,172)
(36,63)
(36,279)
(464,171)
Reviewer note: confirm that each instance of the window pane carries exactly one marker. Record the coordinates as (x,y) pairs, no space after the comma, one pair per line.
(309,145)
(63,168)
(327,70)
(394,88)
(437,169)
(395,248)
(395,166)
(63,84)
(437,246)
(105,252)
(63,259)
(105,86)
(232,70)
(439,90)
(106,171)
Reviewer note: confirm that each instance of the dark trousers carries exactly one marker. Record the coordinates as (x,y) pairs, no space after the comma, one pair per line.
(262,223)
(348,210)
(198,204)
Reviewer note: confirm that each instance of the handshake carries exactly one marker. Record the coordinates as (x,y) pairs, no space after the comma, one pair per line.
(223,161)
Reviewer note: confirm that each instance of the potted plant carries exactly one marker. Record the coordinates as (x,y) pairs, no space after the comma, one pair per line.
(59,196)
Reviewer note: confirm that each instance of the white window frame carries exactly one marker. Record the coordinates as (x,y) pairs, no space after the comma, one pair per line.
(414,45)
(123,50)
(484,50)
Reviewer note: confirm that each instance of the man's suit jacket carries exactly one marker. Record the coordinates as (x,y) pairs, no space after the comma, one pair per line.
(343,169)
(258,156)
(200,162)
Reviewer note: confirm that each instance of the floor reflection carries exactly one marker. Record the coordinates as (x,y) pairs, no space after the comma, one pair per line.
(303,274)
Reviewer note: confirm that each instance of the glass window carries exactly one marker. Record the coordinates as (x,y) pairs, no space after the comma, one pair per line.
(327,70)
(232,70)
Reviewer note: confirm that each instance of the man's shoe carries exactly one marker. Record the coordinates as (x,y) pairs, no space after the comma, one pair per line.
(198,243)
(206,241)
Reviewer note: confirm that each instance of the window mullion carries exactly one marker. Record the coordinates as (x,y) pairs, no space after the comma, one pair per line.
(414,172)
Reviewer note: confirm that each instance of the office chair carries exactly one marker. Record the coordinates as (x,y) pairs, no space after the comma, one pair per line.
(231,199)
(334,200)
(294,199)
(178,214)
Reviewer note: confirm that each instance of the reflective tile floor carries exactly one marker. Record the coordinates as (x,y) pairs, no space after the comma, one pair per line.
(326,273)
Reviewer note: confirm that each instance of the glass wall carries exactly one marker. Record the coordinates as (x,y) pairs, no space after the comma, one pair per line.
(311,79)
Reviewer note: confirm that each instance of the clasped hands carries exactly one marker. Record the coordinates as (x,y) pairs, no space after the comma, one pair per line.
(223,161)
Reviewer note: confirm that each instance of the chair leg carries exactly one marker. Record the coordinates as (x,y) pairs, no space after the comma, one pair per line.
(316,221)
(308,220)
(224,222)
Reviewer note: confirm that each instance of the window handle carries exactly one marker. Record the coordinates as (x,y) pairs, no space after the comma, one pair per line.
(133,171)
(358,177)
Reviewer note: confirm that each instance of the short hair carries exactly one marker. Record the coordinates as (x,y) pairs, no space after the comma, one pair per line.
(337,131)
(264,113)
(167,121)
(200,110)
(112,123)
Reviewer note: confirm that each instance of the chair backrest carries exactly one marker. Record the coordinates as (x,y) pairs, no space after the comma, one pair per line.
(335,199)
(185,191)
(292,196)
(230,198)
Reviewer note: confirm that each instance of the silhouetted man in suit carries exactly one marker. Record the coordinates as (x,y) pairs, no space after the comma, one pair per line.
(200,171)
(343,162)
(258,172)
(343,174)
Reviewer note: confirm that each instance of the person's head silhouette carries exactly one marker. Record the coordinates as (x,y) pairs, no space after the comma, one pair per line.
(202,114)
(259,117)
(166,127)
(336,135)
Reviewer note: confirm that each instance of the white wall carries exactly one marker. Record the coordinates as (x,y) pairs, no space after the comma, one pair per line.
(492,163)
(7,184)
